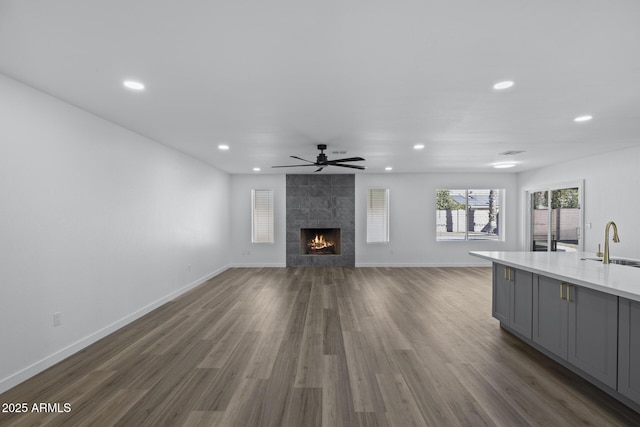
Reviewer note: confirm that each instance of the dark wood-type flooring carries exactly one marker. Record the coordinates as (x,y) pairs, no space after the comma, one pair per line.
(319,347)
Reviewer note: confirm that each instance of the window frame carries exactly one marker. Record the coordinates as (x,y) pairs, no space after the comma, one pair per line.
(500,237)
(256,234)
(385,233)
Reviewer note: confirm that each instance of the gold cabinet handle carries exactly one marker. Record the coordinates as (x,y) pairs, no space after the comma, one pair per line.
(568,296)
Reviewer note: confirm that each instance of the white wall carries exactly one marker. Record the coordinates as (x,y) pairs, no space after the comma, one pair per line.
(611,183)
(243,252)
(96,223)
(412,219)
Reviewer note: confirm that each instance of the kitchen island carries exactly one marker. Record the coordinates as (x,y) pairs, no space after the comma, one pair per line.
(580,312)
(579,268)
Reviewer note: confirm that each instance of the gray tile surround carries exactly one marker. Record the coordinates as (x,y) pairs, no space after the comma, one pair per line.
(321,201)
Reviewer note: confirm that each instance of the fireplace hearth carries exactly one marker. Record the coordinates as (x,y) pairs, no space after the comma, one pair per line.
(320,241)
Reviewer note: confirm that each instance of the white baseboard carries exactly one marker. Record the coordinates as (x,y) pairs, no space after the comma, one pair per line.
(376,264)
(39,366)
(258,264)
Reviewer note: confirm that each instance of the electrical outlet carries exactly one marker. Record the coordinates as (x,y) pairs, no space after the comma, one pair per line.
(57,319)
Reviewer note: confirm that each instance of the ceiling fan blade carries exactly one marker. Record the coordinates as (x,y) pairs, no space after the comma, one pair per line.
(300,158)
(292,166)
(322,161)
(349,166)
(350,159)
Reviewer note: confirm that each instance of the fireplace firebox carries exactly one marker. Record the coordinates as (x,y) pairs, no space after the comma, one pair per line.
(320,241)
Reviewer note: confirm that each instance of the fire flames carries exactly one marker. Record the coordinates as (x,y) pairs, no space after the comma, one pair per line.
(319,243)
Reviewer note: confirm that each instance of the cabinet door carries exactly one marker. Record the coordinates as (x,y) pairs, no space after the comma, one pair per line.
(521,302)
(593,333)
(629,350)
(501,291)
(550,311)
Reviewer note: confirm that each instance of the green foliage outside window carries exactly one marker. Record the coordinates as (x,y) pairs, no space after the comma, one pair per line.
(444,201)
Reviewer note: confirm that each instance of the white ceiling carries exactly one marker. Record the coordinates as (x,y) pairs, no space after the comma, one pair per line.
(275,78)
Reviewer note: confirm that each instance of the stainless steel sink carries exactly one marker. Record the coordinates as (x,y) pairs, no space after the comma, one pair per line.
(619,261)
(629,262)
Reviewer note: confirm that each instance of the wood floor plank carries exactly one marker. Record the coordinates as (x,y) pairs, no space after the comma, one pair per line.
(178,364)
(315,346)
(304,408)
(225,346)
(493,403)
(217,394)
(310,362)
(332,332)
(348,319)
(425,389)
(313,322)
(280,384)
(402,408)
(261,363)
(203,418)
(362,374)
(246,405)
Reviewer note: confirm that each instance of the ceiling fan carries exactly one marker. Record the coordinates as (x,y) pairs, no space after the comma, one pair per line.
(322,161)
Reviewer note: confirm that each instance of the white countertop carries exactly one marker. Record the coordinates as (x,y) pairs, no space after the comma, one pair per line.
(620,280)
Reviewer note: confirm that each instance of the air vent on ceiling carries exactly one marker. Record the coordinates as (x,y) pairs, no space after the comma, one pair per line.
(339,152)
(510,153)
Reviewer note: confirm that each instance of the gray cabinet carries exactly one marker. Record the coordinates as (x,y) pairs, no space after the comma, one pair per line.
(512,296)
(629,349)
(593,333)
(550,313)
(501,293)
(577,324)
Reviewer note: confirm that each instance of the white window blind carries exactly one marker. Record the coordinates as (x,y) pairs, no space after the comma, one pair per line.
(378,216)
(262,216)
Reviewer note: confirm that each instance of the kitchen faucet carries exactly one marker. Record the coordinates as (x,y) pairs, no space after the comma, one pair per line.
(616,239)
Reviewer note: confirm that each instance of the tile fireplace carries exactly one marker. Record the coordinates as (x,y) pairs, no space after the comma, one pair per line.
(320,217)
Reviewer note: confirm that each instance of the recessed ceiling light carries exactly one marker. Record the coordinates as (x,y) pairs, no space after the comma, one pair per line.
(133,85)
(388,168)
(504,165)
(256,169)
(418,146)
(583,118)
(223,147)
(503,85)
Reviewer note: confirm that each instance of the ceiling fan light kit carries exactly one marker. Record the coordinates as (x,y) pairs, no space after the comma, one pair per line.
(322,161)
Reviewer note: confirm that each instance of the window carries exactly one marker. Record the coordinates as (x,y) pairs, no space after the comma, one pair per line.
(463,215)
(378,216)
(262,216)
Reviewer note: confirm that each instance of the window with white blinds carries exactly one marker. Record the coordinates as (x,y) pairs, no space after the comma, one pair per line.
(378,216)
(262,216)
